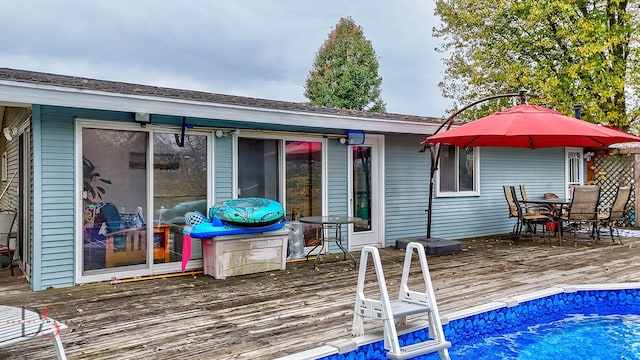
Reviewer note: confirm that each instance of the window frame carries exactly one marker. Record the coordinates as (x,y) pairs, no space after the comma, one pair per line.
(150,268)
(476,175)
(281,162)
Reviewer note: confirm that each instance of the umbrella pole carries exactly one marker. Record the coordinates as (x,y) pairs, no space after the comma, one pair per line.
(435,153)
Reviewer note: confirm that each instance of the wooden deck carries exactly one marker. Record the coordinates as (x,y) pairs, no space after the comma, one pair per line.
(267,315)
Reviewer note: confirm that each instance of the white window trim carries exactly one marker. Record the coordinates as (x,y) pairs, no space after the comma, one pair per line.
(476,178)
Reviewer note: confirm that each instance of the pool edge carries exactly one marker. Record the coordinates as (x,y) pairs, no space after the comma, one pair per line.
(341,346)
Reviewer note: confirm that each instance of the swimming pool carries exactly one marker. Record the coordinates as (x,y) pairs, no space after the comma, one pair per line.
(503,316)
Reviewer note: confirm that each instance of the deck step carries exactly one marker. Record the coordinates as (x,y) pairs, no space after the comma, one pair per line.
(413,350)
(402,308)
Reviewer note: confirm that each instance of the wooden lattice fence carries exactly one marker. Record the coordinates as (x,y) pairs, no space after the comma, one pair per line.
(612,169)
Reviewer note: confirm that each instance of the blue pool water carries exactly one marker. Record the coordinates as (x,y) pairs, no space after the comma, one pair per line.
(548,327)
(575,337)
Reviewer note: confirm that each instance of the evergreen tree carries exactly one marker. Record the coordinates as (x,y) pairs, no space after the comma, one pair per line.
(345,71)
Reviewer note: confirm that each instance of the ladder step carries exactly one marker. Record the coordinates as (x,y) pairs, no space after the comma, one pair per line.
(418,349)
(402,308)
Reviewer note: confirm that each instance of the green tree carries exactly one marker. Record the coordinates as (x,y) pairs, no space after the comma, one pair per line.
(564,52)
(345,71)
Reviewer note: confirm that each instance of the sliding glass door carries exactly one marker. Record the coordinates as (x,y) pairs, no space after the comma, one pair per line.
(179,186)
(114,193)
(127,172)
(287,170)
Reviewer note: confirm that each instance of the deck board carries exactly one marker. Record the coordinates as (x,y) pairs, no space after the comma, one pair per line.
(272,314)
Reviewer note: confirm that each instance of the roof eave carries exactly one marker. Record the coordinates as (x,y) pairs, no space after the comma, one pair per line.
(12,92)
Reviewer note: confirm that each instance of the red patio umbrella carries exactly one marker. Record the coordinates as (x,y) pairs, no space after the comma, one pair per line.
(531,126)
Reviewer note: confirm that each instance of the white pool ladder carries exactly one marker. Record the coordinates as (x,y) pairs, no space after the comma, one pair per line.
(394,313)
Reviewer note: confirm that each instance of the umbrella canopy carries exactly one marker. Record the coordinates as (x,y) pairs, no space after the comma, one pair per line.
(531,126)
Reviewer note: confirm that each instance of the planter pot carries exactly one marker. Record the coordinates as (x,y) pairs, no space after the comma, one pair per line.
(4,261)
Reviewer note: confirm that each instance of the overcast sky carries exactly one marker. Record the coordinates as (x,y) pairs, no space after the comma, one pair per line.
(257,48)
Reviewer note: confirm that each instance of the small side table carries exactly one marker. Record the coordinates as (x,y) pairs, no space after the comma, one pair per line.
(328,223)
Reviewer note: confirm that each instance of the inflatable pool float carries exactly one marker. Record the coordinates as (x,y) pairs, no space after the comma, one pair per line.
(199,227)
(248,212)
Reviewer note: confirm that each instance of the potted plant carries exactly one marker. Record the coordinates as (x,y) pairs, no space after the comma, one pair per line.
(92,181)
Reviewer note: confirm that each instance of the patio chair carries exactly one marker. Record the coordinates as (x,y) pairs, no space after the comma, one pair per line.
(531,217)
(524,218)
(7,220)
(582,211)
(529,207)
(617,212)
(513,209)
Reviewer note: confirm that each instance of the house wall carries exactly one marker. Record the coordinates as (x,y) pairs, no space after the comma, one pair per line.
(14,117)
(337,183)
(541,170)
(406,187)
(223,171)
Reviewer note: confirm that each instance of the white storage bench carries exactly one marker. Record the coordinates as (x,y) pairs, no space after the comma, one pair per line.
(232,255)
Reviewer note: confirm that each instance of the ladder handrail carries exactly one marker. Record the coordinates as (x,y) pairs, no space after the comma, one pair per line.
(405,292)
(384,302)
(409,302)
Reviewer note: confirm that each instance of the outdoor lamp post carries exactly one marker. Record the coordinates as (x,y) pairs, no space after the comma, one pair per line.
(434,149)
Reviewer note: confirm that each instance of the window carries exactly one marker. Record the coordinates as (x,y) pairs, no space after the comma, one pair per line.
(289,171)
(263,172)
(574,169)
(258,168)
(458,172)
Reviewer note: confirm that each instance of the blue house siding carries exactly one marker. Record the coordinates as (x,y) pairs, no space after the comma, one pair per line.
(54,225)
(223,168)
(337,182)
(406,187)
(541,170)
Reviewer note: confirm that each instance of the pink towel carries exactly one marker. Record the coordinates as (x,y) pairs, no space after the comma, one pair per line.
(186,250)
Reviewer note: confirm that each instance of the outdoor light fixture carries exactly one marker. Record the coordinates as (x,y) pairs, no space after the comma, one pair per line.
(9,133)
(355,137)
(142,118)
(588,155)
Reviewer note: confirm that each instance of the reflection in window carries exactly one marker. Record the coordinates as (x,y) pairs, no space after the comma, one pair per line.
(457,169)
(114,198)
(258,170)
(304,177)
(179,186)
(362,187)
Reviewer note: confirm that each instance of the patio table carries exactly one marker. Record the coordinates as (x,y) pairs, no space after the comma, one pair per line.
(556,206)
(328,223)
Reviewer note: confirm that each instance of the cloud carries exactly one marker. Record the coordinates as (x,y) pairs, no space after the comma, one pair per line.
(250,48)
